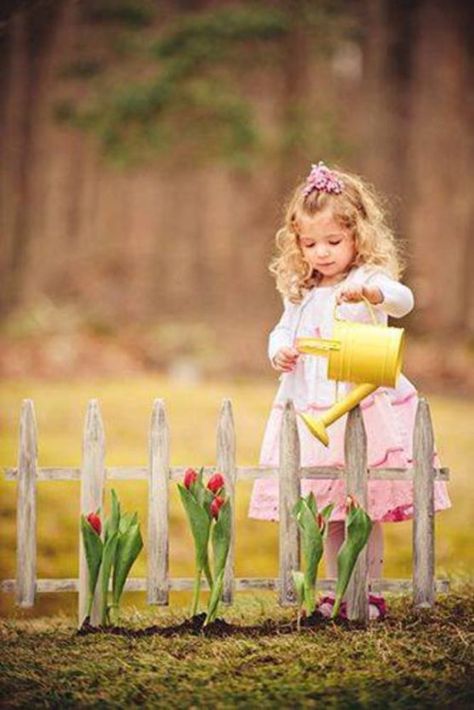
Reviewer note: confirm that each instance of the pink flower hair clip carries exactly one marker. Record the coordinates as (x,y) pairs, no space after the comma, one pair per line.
(323,180)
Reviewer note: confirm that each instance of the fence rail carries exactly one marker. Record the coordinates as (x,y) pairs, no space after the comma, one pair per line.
(93,474)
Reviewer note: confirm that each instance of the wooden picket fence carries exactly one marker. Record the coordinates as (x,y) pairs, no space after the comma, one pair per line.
(93,474)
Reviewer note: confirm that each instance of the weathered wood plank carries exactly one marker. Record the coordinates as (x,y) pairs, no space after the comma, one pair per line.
(355,453)
(289,494)
(26,507)
(92,498)
(176,584)
(158,507)
(423,503)
(243,473)
(226,464)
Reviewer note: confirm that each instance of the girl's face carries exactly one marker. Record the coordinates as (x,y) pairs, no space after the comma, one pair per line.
(326,246)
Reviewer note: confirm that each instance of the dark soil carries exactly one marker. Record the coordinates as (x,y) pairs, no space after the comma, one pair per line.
(219,628)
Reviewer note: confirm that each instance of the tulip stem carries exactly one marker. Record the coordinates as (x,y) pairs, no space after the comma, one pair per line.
(207,572)
(336,607)
(197,589)
(309,597)
(90,601)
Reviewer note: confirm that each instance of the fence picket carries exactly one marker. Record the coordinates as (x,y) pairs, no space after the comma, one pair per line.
(26,507)
(423,503)
(158,507)
(226,464)
(93,474)
(355,452)
(289,493)
(92,498)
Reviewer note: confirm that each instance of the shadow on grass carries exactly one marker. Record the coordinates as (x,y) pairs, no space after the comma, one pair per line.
(219,628)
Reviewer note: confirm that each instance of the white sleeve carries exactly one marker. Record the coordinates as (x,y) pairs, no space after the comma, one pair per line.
(281,335)
(397,298)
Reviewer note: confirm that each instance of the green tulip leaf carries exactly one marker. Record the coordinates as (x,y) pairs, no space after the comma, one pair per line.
(214,598)
(298,581)
(200,523)
(326,512)
(310,501)
(126,522)
(297,507)
(358,527)
(221,534)
(108,560)
(128,549)
(112,522)
(93,548)
(312,548)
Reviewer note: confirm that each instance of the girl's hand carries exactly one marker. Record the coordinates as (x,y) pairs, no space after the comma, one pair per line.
(354,294)
(285,359)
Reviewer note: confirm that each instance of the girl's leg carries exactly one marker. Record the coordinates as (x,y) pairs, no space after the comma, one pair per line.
(334,540)
(376,551)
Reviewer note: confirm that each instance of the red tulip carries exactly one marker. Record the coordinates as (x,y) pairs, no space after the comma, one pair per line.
(190,477)
(351,502)
(216,482)
(216,505)
(94,522)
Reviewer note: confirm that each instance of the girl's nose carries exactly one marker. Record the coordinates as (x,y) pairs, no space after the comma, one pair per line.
(321,250)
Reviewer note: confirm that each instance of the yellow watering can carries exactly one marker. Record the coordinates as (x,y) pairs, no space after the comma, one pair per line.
(358,352)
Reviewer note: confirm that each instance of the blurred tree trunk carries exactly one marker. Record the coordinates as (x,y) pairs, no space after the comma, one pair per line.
(296,83)
(30,36)
(440,168)
(388,27)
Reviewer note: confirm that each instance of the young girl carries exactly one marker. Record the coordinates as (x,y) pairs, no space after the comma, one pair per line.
(336,248)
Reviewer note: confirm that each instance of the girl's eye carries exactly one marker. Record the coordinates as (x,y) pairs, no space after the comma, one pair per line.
(334,243)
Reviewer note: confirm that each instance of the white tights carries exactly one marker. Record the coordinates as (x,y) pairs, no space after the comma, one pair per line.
(335,538)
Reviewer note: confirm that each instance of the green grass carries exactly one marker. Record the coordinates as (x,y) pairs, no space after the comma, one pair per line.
(192,412)
(414,659)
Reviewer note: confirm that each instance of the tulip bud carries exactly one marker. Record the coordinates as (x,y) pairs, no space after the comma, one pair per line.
(94,522)
(351,503)
(216,505)
(216,482)
(190,477)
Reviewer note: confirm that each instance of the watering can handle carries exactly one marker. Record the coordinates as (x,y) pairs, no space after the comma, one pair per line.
(369,306)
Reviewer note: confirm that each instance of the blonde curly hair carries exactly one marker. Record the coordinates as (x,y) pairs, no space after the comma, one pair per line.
(358,208)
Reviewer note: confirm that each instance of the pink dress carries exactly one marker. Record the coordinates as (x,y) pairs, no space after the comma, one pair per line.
(388,414)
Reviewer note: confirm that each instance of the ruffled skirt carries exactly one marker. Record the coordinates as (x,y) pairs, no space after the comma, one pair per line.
(389,419)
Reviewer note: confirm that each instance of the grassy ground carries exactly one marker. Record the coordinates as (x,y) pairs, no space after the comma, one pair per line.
(411,660)
(192,412)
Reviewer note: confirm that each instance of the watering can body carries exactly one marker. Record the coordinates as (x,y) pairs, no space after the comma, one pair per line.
(366,354)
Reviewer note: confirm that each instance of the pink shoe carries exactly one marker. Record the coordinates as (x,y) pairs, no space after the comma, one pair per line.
(377,608)
(326,605)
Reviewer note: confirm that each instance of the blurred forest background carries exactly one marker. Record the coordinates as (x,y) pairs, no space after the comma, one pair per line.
(147,149)
(146,152)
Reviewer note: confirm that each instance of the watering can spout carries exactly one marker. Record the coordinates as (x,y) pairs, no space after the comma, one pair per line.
(317,427)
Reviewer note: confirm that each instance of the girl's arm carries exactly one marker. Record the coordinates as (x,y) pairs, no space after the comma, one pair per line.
(390,296)
(397,298)
(281,335)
